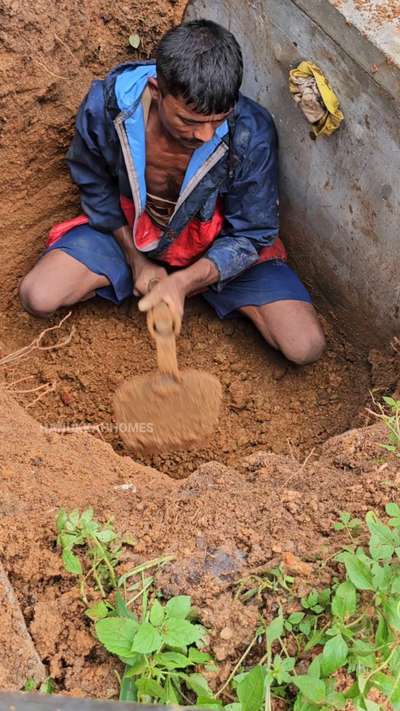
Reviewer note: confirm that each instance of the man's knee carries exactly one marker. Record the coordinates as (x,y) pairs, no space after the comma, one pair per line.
(35,299)
(308,348)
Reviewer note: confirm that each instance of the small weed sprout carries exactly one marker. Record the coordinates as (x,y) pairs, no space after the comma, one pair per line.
(390,416)
(99,543)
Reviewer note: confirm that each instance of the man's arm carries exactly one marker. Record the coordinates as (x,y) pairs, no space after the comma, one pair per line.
(91,159)
(251,212)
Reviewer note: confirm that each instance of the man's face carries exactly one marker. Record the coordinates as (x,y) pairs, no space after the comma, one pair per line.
(184,123)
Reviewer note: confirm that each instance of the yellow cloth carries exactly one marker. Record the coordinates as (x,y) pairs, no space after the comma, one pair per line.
(324,97)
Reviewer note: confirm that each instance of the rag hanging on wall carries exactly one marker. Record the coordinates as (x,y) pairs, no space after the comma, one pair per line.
(313,93)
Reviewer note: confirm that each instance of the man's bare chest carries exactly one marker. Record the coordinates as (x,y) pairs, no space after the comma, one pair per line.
(165,170)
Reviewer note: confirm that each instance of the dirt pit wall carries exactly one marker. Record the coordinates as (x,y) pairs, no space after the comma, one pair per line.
(49,54)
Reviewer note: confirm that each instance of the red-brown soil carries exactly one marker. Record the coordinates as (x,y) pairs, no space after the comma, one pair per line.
(249,507)
(220,523)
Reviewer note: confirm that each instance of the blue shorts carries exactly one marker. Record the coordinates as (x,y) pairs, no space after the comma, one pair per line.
(261,284)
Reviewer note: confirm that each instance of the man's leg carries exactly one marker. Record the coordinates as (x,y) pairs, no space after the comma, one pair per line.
(57,280)
(291,327)
(273,297)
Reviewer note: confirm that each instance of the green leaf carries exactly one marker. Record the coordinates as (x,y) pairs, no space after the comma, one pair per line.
(87,516)
(198,684)
(157,614)
(384,683)
(357,570)
(391,509)
(172,660)
(334,655)
(48,686)
(98,611)
(181,633)
(71,562)
(344,602)
(313,689)
(392,613)
(383,540)
(295,618)
(251,690)
(30,685)
(345,516)
(315,667)
(394,664)
(127,691)
(147,639)
(382,635)
(150,687)
(106,536)
(134,40)
(363,653)
(338,526)
(73,519)
(335,700)
(171,696)
(275,629)
(179,606)
(117,634)
(197,657)
(122,608)
(61,520)
(136,665)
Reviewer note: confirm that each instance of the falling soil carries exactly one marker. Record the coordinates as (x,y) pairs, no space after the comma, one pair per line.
(170,408)
(269,481)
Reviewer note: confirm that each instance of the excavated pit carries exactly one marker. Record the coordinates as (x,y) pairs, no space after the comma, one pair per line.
(267,402)
(264,502)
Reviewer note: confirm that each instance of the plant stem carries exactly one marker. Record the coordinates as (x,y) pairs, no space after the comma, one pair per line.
(238,665)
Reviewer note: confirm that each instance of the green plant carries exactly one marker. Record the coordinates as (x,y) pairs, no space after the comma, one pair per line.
(340,647)
(391,419)
(348,524)
(99,543)
(46,687)
(159,650)
(255,585)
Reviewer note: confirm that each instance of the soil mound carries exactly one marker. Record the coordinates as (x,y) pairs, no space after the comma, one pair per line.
(219,523)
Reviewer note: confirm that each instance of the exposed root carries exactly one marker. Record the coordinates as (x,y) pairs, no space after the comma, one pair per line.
(299,471)
(10,386)
(46,388)
(396,344)
(53,74)
(37,344)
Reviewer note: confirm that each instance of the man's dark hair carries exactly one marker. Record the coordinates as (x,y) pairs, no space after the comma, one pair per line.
(201,62)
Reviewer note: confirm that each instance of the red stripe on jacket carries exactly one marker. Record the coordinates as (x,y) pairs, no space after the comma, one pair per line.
(185,248)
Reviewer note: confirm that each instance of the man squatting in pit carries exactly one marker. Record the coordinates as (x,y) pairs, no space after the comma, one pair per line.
(178,177)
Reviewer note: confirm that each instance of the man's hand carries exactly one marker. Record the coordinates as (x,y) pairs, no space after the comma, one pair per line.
(144,273)
(171,291)
(143,270)
(174,288)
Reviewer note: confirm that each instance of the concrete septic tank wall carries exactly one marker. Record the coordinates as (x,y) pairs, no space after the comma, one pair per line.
(340,197)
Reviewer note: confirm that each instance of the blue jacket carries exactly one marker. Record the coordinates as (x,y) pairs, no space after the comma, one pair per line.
(240,165)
